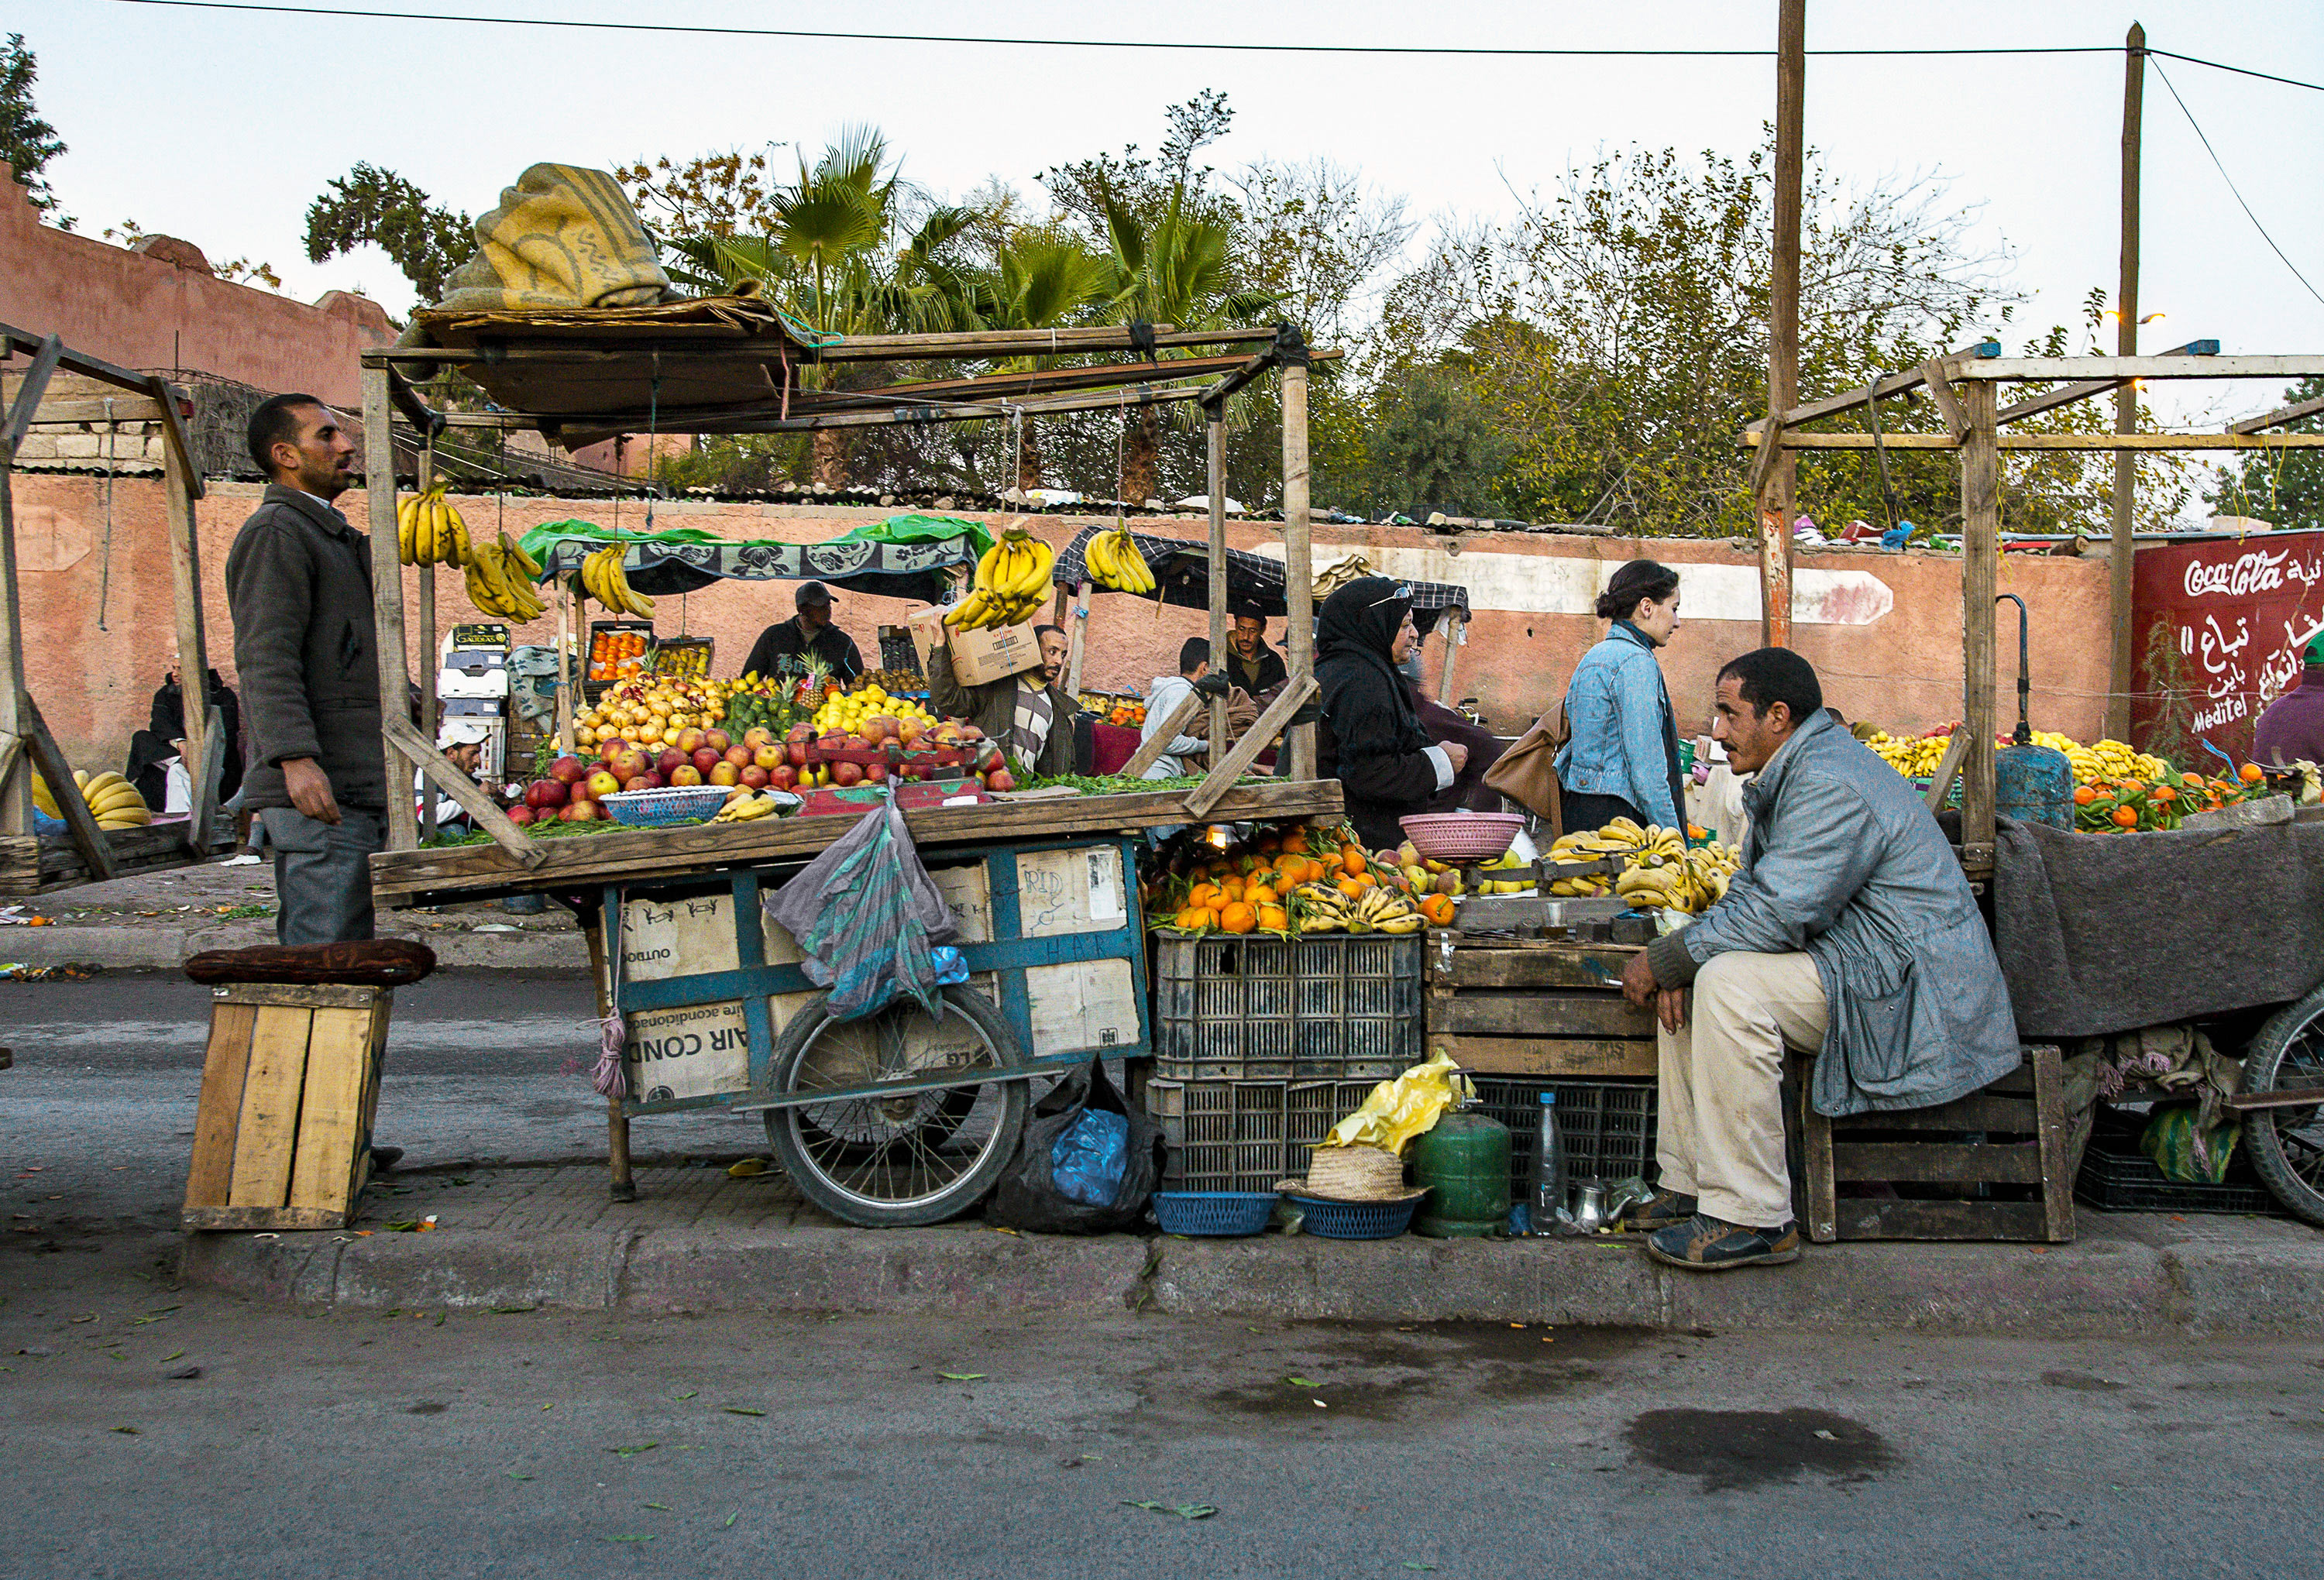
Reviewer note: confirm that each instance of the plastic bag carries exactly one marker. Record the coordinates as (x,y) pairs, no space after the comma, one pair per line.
(868,918)
(2186,1152)
(1036,1188)
(1399,1109)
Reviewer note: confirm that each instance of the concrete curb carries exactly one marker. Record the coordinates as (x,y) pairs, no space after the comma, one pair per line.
(2112,1283)
(165,947)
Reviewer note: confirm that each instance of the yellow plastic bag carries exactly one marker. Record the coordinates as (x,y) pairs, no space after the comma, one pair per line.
(1399,1109)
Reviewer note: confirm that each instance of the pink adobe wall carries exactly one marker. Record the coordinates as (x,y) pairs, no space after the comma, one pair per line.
(1902,670)
(164,309)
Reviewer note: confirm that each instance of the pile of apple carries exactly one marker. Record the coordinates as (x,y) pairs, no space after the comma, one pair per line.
(573,786)
(903,747)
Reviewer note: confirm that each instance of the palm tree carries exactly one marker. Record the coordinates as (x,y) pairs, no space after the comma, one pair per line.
(1174,271)
(1039,281)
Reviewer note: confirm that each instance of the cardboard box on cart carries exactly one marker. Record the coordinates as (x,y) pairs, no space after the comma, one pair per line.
(981,657)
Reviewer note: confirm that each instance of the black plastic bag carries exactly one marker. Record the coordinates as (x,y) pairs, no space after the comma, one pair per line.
(1030,1197)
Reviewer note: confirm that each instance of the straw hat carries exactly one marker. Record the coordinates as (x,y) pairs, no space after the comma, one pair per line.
(1362,1172)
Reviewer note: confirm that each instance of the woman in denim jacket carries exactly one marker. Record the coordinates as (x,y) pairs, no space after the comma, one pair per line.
(1622,760)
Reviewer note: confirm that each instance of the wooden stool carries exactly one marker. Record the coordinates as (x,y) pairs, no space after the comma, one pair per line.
(2022,1116)
(282,1137)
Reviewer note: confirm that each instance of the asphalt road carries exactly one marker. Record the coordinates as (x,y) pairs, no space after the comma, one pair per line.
(481,1067)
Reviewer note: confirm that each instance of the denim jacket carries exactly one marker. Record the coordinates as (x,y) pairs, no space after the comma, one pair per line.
(1621,716)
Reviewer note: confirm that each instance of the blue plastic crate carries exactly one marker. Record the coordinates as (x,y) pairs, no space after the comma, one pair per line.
(1225,1213)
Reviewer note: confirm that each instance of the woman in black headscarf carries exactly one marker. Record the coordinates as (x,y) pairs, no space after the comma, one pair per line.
(1372,738)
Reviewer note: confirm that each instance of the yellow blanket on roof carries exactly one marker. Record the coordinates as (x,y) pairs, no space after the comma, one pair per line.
(562,236)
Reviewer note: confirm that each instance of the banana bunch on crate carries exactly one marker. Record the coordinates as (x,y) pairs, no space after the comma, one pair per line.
(1328,909)
(430,532)
(500,581)
(1012,581)
(1115,563)
(112,800)
(1667,876)
(603,579)
(750,806)
(1592,851)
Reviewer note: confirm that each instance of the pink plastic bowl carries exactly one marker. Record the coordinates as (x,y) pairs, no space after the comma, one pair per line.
(1461,836)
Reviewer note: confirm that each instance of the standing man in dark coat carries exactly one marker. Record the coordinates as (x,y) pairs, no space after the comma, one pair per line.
(784,648)
(297,580)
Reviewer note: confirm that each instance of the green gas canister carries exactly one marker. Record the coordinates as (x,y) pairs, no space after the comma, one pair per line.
(1464,1160)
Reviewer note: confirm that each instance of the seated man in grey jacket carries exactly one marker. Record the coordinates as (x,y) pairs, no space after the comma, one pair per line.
(1850,932)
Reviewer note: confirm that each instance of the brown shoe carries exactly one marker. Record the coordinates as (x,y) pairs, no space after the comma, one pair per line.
(1659,1211)
(1704,1244)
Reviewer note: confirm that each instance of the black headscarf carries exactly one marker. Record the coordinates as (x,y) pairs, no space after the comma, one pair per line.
(1355,638)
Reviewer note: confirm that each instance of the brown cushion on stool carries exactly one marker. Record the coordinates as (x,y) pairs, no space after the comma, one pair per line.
(381,962)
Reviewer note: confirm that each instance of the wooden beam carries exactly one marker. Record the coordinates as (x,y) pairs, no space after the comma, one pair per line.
(770,350)
(1215,432)
(1941,391)
(2281,415)
(1775,482)
(2080,389)
(201,805)
(180,443)
(1298,560)
(428,727)
(1226,770)
(28,394)
(128,408)
(2053,369)
(1250,368)
(2090,441)
(15,792)
(13,339)
(1949,769)
(81,823)
(387,607)
(1451,623)
(1044,381)
(181,486)
(12,753)
(2125,398)
(1981,545)
(482,808)
(1154,746)
(589,428)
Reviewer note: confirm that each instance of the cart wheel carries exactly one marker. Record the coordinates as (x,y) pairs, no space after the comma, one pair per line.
(915,1158)
(2287,1144)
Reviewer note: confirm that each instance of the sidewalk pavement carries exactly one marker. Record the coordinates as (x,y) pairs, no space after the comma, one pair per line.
(154,921)
(699,1241)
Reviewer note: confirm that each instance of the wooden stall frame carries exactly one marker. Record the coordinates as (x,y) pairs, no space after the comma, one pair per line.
(1975,419)
(24,736)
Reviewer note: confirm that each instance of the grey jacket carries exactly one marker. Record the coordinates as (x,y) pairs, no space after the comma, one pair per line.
(1843,861)
(297,580)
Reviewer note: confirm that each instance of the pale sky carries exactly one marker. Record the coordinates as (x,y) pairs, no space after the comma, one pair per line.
(221,126)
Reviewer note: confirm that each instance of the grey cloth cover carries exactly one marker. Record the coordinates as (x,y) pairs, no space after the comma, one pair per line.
(2100,933)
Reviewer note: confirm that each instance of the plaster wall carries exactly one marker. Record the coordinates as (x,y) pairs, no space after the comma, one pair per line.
(1883,630)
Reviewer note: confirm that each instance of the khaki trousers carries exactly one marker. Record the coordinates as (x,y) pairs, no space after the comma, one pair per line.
(1721,1113)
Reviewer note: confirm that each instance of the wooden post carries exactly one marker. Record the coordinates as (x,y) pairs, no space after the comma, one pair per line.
(387,604)
(178,485)
(1775,502)
(1079,629)
(1980,541)
(1298,563)
(1216,431)
(2125,399)
(571,665)
(622,1186)
(15,789)
(1451,623)
(428,661)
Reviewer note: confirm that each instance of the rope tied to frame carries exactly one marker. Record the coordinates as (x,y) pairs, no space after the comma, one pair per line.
(612,1076)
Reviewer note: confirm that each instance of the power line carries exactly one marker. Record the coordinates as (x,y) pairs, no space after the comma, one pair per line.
(2231,181)
(2239,71)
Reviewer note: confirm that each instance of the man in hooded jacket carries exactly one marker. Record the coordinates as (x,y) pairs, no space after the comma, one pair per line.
(1372,738)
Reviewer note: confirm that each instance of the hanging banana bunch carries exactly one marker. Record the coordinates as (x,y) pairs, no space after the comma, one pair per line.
(430,532)
(1114,563)
(1012,580)
(500,581)
(603,579)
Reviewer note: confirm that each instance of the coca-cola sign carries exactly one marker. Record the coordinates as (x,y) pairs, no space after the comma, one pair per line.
(2230,613)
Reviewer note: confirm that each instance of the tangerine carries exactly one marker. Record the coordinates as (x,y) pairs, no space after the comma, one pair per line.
(2084,795)
(2130,787)
(1350,888)
(2251,774)
(1237,918)
(2125,817)
(1259,894)
(1273,918)
(1200,897)
(1192,919)
(2165,794)
(1352,860)
(1438,909)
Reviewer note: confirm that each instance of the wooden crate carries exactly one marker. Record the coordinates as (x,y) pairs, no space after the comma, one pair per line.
(282,1137)
(1537,1008)
(1926,1149)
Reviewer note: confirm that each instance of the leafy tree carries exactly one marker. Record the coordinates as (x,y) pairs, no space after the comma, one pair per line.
(373,205)
(27,142)
(1145,186)
(1434,445)
(710,195)
(1041,279)
(2283,486)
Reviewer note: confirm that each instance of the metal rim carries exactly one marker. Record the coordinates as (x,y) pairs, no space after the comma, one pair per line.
(913,1150)
(2287,1144)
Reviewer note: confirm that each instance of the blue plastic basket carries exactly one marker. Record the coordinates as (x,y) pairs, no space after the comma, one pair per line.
(1356,1220)
(1212,1212)
(666,807)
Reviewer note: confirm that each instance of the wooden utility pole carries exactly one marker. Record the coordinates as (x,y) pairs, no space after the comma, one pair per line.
(1215,432)
(2125,399)
(1298,756)
(1980,465)
(1774,500)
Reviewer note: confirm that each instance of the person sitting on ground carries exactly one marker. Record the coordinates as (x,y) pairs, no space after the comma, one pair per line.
(1029,714)
(1849,933)
(786,646)
(1372,738)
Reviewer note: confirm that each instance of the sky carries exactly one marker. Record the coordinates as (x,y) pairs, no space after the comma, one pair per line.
(221,126)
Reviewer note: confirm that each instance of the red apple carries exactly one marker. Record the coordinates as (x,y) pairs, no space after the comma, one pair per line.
(758,736)
(520,815)
(724,773)
(847,774)
(781,779)
(604,782)
(548,793)
(641,782)
(651,779)
(1000,780)
(795,754)
(687,774)
(629,765)
(910,730)
(800,732)
(689,740)
(740,756)
(670,759)
(719,741)
(971,732)
(571,770)
(705,759)
(612,746)
(751,776)
(877,773)
(579,812)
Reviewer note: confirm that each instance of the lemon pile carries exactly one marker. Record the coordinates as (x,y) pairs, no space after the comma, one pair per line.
(845,712)
(652,709)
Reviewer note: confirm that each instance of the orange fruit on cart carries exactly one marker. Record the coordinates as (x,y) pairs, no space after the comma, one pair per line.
(1350,888)
(2125,817)
(1192,919)
(2084,795)
(1237,918)
(2130,787)
(2251,773)
(2165,794)
(1200,897)
(1273,918)
(1352,860)
(1259,894)
(1438,909)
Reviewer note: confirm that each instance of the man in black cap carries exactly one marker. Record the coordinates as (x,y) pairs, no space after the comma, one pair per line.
(786,647)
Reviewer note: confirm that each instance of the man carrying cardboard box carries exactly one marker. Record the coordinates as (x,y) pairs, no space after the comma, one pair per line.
(1027,713)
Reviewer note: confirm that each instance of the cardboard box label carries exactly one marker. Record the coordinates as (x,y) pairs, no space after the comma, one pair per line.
(691,1052)
(1071,891)
(1091,1004)
(662,938)
(980,656)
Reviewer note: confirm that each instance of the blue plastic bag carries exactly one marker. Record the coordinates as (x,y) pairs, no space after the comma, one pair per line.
(1089,1159)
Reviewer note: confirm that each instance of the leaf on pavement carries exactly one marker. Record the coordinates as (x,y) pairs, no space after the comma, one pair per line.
(681,1398)
(1183,1511)
(731,1519)
(631,1453)
(1301,1383)
(629,1538)
(663,1507)
(961,1376)
(743,1410)
(517,1475)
